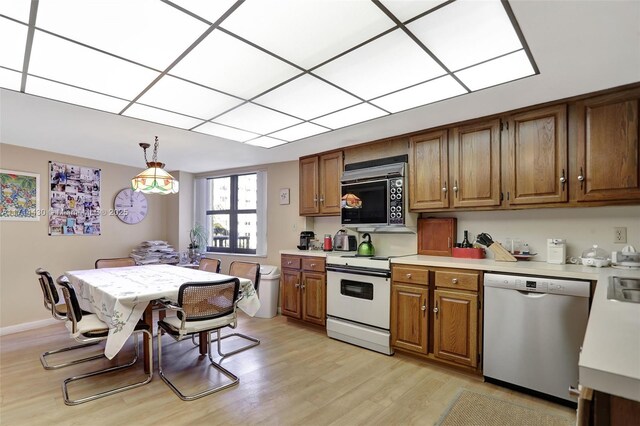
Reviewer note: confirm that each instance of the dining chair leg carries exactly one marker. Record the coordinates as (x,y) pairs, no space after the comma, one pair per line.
(149,376)
(45,364)
(253,340)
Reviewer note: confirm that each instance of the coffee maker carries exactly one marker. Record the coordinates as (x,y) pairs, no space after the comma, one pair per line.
(305,240)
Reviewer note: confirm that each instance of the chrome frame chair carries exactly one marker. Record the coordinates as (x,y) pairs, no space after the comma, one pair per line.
(59,312)
(202,307)
(251,271)
(210,265)
(115,262)
(88,328)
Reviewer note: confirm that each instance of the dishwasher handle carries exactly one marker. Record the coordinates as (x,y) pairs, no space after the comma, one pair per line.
(532,294)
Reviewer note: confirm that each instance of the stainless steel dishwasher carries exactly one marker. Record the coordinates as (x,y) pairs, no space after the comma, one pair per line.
(533,330)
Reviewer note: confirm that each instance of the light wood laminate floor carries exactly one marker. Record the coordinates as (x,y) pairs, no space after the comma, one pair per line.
(296,376)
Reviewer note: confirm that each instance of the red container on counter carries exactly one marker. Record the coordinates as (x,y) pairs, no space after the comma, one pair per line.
(327,246)
(469,253)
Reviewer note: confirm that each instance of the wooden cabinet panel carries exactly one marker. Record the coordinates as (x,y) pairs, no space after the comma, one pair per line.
(608,151)
(436,236)
(410,274)
(429,171)
(457,280)
(313,264)
(476,165)
(314,297)
(292,262)
(309,185)
(537,157)
(290,293)
(330,173)
(409,319)
(455,330)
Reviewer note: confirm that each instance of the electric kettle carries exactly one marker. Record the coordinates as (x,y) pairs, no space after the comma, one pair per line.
(366,247)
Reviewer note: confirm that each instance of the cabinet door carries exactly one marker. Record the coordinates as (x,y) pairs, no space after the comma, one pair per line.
(409,319)
(455,328)
(429,171)
(330,173)
(476,165)
(290,293)
(537,157)
(608,152)
(309,185)
(314,297)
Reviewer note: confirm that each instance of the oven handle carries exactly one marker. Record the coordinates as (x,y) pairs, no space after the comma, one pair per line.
(364,271)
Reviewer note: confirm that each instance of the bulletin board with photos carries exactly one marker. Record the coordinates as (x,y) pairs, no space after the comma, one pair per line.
(74,201)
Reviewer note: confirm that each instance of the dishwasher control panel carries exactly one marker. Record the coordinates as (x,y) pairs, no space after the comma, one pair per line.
(538,284)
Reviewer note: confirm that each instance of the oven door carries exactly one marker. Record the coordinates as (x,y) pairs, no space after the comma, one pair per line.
(360,298)
(365,203)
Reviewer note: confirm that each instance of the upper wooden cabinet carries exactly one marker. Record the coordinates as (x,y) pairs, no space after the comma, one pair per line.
(536,157)
(608,150)
(475,164)
(320,184)
(429,171)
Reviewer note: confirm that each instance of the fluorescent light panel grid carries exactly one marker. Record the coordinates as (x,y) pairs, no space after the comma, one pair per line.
(349,116)
(14,38)
(405,10)
(307,32)
(389,63)
(465,33)
(10,79)
(62,92)
(159,116)
(300,131)
(70,63)
(506,68)
(225,63)
(209,10)
(255,118)
(422,94)
(177,95)
(225,132)
(307,97)
(148,32)
(265,142)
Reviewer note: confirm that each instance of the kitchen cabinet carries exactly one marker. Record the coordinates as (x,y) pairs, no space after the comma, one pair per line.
(429,171)
(608,148)
(303,288)
(536,157)
(320,184)
(409,305)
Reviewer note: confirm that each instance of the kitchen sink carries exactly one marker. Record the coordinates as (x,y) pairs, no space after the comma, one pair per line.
(624,289)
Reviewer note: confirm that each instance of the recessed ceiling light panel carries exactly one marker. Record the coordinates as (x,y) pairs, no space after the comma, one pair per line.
(422,94)
(266,142)
(159,116)
(301,131)
(149,32)
(225,132)
(177,95)
(209,10)
(307,32)
(501,70)
(73,95)
(405,10)
(14,38)
(16,9)
(349,116)
(307,97)
(254,118)
(10,79)
(387,64)
(67,62)
(225,63)
(465,33)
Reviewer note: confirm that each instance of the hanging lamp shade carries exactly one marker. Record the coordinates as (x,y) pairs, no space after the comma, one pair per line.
(154,180)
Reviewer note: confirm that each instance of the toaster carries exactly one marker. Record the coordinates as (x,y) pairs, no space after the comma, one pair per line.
(344,242)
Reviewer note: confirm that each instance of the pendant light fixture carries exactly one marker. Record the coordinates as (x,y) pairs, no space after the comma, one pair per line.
(154,180)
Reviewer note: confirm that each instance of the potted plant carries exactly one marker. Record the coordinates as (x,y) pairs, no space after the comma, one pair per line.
(198,241)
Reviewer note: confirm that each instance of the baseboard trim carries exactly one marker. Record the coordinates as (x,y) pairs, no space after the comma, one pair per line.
(19,328)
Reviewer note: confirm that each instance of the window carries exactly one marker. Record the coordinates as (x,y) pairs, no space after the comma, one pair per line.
(231,210)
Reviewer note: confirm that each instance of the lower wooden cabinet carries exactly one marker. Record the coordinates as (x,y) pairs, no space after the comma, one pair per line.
(303,288)
(435,312)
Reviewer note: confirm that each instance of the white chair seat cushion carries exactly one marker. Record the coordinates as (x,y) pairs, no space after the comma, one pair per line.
(198,326)
(90,323)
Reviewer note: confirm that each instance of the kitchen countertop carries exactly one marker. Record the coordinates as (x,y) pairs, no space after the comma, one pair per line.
(314,253)
(610,357)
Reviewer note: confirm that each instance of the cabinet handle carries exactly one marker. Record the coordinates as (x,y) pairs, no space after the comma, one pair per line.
(436,310)
(562,180)
(297,285)
(289,262)
(313,265)
(302,286)
(315,199)
(408,275)
(322,199)
(448,242)
(454,281)
(581,179)
(444,188)
(424,307)
(455,188)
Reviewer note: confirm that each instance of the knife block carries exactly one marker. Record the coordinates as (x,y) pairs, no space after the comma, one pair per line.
(500,253)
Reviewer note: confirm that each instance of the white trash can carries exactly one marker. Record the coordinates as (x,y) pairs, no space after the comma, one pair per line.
(268,291)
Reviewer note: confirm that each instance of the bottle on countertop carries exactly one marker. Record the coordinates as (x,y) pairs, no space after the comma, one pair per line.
(465,241)
(327,246)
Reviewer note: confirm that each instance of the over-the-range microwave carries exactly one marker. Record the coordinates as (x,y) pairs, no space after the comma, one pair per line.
(374,194)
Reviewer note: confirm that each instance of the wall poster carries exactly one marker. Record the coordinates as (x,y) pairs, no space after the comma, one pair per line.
(74,202)
(19,195)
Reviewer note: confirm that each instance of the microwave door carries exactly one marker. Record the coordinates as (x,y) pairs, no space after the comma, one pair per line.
(365,203)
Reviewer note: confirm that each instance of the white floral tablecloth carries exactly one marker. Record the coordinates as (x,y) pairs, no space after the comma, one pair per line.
(119,296)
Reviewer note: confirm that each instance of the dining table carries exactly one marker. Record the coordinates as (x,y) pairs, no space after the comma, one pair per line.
(123,296)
